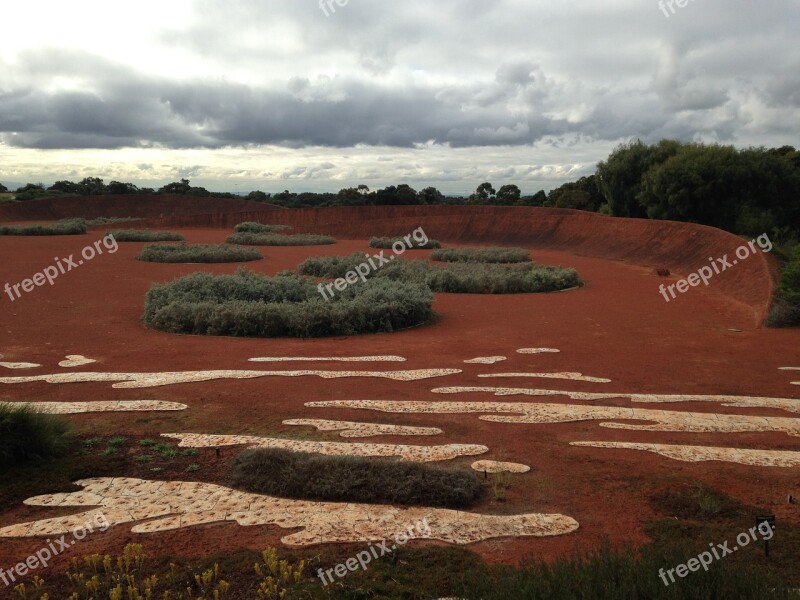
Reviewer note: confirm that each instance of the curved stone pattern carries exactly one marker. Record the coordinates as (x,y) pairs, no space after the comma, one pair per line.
(75,360)
(270,359)
(492,466)
(742,456)
(663,420)
(485,360)
(789,404)
(174,505)
(19,365)
(143,380)
(74,408)
(568,376)
(537,351)
(410,453)
(350,429)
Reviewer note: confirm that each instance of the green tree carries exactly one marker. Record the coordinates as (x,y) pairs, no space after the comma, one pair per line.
(508,195)
(484,194)
(430,195)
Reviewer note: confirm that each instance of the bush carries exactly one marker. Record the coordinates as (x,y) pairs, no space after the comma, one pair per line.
(97,222)
(253,305)
(785,310)
(63,227)
(482,255)
(253,227)
(454,278)
(299,475)
(145,235)
(388,242)
(198,253)
(26,434)
(271,239)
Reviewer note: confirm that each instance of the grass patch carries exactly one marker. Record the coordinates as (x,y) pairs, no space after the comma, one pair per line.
(273,239)
(198,253)
(299,475)
(27,435)
(63,227)
(388,242)
(100,221)
(145,235)
(287,305)
(254,227)
(482,255)
(455,278)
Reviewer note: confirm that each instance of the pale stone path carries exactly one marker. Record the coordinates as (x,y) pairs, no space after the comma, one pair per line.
(75,408)
(789,404)
(759,458)
(75,360)
(19,365)
(143,380)
(568,376)
(493,466)
(537,351)
(173,505)
(350,429)
(406,452)
(662,420)
(485,360)
(270,359)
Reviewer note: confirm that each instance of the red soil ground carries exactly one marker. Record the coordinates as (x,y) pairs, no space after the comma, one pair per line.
(618,326)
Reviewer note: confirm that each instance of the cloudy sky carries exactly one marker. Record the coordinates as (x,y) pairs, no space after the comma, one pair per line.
(286,94)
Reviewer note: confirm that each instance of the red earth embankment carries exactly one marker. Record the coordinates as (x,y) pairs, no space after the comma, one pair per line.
(682,248)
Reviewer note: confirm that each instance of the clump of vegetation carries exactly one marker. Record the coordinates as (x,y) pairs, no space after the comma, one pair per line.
(410,244)
(29,435)
(145,235)
(482,255)
(455,278)
(287,305)
(273,239)
(299,475)
(254,227)
(62,227)
(198,253)
(785,311)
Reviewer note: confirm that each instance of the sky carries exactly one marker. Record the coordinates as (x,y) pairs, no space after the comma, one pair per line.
(238,95)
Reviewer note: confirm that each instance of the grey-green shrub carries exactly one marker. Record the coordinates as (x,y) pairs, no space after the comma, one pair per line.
(388,242)
(287,305)
(272,239)
(287,474)
(62,227)
(98,221)
(482,255)
(145,235)
(254,227)
(455,278)
(26,434)
(198,253)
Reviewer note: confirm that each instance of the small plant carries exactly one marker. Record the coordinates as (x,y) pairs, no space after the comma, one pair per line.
(145,235)
(272,239)
(37,593)
(28,435)
(198,253)
(277,577)
(500,482)
(189,452)
(210,585)
(91,442)
(253,227)
(144,458)
(411,244)
(110,451)
(147,442)
(193,468)
(117,441)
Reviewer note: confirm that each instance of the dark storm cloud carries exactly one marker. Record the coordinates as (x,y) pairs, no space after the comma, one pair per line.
(463,73)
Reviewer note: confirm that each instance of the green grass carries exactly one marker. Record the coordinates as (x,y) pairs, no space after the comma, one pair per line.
(63,227)
(287,305)
(99,221)
(27,435)
(272,239)
(253,227)
(353,479)
(456,278)
(198,253)
(413,244)
(145,235)
(482,255)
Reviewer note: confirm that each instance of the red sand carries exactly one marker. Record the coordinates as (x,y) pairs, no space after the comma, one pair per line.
(618,326)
